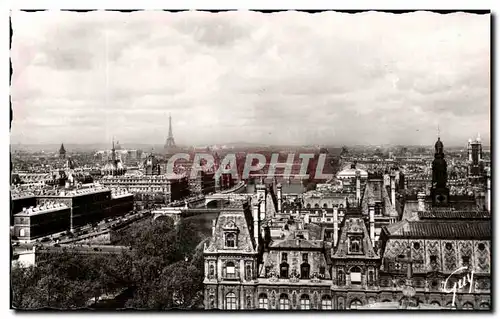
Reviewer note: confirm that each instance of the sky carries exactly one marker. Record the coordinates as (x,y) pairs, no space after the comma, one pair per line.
(283,78)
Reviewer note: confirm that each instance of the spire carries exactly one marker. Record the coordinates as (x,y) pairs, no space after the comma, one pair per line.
(439,135)
(170,143)
(113,153)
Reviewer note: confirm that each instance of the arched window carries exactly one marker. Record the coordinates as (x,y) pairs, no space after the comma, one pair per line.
(22,232)
(284,302)
(356,275)
(355,245)
(231,301)
(284,270)
(435,303)
(326,303)
(308,205)
(230,240)
(467,306)
(450,305)
(263,302)
(484,306)
(325,205)
(230,269)
(371,277)
(304,271)
(355,304)
(305,303)
(316,205)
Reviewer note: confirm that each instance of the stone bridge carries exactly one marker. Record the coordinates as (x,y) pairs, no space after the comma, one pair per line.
(176,213)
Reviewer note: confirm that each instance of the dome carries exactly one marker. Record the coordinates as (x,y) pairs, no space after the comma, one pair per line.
(351,173)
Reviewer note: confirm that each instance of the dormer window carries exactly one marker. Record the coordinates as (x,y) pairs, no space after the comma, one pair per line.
(230,240)
(354,245)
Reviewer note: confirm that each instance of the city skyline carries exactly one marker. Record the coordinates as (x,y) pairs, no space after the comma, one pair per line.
(246,76)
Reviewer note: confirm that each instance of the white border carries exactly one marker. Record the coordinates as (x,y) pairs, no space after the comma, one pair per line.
(189,4)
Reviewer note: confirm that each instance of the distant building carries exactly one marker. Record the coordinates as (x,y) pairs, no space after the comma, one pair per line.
(62,152)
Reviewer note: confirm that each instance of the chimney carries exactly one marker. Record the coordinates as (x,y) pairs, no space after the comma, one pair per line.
(393,190)
(358,188)
(256,222)
(421,202)
(213,227)
(279,191)
(261,195)
(335,225)
(371,210)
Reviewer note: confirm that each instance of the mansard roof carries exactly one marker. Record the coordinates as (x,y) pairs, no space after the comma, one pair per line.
(444,229)
(234,219)
(372,195)
(354,225)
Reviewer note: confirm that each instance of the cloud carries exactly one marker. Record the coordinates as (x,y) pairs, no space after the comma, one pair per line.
(284,78)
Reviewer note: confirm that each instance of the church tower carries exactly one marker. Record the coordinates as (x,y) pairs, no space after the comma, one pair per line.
(440,192)
(170,143)
(62,152)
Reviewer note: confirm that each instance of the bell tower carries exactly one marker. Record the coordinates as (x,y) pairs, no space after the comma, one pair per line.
(440,192)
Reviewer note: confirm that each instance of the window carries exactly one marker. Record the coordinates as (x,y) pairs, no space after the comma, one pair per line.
(316,205)
(448,246)
(416,246)
(263,302)
(231,301)
(284,270)
(435,303)
(284,302)
(371,277)
(230,269)
(230,240)
(433,259)
(325,205)
(249,302)
(356,275)
(305,303)
(308,206)
(326,303)
(355,245)
(322,271)
(481,246)
(305,258)
(341,277)
(284,257)
(211,271)
(22,232)
(466,261)
(355,304)
(467,306)
(304,271)
(248,272)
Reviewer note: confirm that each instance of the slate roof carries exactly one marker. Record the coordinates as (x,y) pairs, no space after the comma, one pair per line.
(454,214)
(450,229)
(234,217)
(354,225)
(379,194)
(298,244)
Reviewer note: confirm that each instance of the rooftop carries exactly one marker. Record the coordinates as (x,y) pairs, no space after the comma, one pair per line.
(42,209)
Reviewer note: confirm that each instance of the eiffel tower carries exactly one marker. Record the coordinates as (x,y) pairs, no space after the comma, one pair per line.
(170,143)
